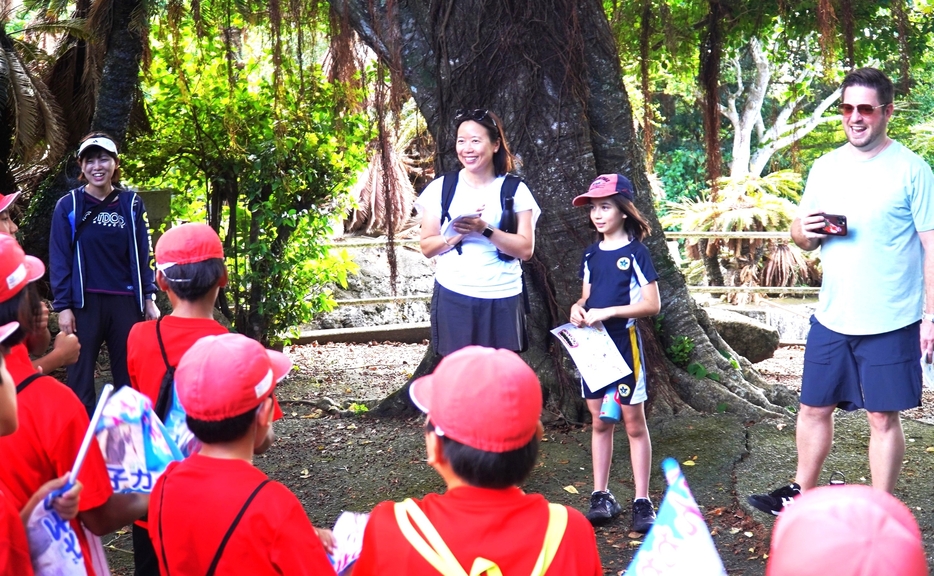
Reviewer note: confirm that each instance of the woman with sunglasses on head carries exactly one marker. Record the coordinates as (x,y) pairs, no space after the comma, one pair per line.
(101,265)
(478,296)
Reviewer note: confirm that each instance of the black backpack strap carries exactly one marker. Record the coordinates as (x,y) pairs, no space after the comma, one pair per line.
(80,227)
(165,389)
(448,185)
(233,526)
(508,190)
(27,381)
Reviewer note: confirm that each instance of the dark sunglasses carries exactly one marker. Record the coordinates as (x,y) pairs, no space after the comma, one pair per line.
(477,115)
(863,109)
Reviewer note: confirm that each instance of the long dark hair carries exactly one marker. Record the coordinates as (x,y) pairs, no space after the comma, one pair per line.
(634,224)
(503,160)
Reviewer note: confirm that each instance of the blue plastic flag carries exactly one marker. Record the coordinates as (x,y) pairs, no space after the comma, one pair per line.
(679,542)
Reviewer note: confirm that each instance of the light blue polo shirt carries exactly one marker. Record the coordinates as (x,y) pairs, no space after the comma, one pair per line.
(873,278)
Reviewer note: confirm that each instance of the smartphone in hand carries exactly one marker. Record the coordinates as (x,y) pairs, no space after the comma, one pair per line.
(834,225)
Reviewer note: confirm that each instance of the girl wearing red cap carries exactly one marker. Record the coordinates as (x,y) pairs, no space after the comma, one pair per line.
(478,276)
(100,265)
(619,286)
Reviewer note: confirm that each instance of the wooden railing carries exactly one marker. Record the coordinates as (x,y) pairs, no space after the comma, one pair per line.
(792,290)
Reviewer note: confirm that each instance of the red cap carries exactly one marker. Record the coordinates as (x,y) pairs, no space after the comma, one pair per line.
(8,200)
(16,268)
(187,244)
(7,330)
(227,375)
(484,398)
(847,531)
(606,185)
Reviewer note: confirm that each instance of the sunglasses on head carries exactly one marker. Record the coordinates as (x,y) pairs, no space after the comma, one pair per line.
(863,109)
(476,115)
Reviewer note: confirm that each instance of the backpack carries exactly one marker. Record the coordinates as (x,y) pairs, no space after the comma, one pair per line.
(169,409)
(428,543)
(508,222)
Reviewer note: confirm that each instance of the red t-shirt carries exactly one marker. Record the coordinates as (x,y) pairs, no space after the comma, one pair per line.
(504,526)
(14,548)
(194,503)
(144,360)
(52,424)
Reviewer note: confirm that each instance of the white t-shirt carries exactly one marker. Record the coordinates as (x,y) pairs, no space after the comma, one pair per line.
(873,278)
(477,272)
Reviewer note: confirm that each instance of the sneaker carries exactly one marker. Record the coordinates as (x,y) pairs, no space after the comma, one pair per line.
(776,500)
(643,515)
(603,508)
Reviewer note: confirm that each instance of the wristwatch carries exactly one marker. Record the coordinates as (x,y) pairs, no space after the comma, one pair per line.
(927,317)
(488,231)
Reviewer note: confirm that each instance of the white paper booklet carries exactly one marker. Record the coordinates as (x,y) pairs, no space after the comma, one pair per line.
(593,351)
(448,229)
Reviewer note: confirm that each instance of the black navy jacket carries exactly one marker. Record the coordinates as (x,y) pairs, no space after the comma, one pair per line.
(68,267)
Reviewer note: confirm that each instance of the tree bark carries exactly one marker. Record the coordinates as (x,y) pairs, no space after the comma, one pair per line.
(552,73)
(116,96)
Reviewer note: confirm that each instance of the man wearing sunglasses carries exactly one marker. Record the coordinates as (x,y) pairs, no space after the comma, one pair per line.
(877,295)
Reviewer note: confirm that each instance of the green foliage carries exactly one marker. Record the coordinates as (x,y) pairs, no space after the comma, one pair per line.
(680,350)
(357,408)
(698,370)
(732,360)
(272,146)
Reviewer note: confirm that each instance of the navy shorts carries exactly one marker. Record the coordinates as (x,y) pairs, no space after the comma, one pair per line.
(879,372)
(458,321)
(632,388)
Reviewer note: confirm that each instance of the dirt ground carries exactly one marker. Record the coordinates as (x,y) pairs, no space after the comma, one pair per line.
(335,457)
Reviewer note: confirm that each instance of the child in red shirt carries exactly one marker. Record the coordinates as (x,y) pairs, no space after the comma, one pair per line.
(14,547)
(482,436)
(190,270)
(225,384)
(52,421)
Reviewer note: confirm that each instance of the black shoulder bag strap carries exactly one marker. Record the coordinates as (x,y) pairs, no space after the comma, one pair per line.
(80,227)
(233,526)
(448,185)
(27,381)
(165,389)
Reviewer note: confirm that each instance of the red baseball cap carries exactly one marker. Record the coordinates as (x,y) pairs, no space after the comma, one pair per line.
(187,244)
(606,185)
(16,268)
(7,200)
(847,531)
(227,375)
(484,398)
(7,330)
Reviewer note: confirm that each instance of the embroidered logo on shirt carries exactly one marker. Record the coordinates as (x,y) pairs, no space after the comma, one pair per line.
(623,263)
(111,219)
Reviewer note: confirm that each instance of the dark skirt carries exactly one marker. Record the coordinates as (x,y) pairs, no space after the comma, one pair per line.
(458,321)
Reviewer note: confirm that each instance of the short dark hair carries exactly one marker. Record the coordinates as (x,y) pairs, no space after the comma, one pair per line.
(503,159)
(226,430)
(495,470)
(192,281)
(23,307)
(871,78)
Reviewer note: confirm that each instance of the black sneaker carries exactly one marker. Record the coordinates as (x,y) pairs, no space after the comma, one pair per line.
(776,500)
(603,508)
(643,515)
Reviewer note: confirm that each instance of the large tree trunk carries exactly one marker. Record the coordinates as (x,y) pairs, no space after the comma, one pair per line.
(550,70)
(116,97)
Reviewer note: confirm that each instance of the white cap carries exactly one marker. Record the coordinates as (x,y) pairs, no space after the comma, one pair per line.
(101,141)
